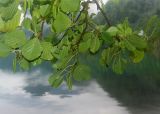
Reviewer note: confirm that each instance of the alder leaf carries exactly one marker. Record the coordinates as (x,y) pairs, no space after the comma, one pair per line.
(118,65)
(55,80)
(82,72)
(47,51)
(32,49)
(15,38)
(129,46)
(112,31)
(138,56)
(138,42)
(4,50)
(84,46)
(61,23)
(69,81)
(95,45)
(8,12)
(70,5)
(24,64)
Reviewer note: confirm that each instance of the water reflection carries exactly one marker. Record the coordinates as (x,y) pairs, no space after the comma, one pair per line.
(138,89)
(17,96)
(135,92)
(138,97)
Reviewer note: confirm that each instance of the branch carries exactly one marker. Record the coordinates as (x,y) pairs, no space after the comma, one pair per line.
(41,32)
(103,13)
(86,22)
(75,21)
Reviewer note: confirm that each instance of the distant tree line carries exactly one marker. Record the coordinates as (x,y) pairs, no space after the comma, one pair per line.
(137,11)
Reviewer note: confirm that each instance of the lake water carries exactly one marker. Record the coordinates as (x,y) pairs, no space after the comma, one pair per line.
(29,93)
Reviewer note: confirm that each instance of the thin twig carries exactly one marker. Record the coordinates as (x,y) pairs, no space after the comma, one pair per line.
(41,32)
(85,29)
(75,21)
(103,13)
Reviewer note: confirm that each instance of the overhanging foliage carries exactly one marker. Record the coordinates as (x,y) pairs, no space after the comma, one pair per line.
(73,33)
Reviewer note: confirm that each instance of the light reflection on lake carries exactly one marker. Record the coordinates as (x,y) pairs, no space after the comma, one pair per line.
(29,93)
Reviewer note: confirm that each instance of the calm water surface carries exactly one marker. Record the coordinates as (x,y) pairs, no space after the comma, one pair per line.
(29,93)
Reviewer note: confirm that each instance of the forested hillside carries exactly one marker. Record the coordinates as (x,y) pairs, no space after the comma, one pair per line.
(135,10)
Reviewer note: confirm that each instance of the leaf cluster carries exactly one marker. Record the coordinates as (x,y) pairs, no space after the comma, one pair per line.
(72,34)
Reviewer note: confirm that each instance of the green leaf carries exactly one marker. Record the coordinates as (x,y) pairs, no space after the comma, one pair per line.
(84,46)
(54,10)
(118,65)
(62,52)
(14,64)
(95,45)
(112,31)
(24,64)
(62,63)
(70,5)
(4,50)
(82,72)
(138,56)
(44,10)
(129,46)
(11,24)
(138,42)
(36,62)
(124,30)
(107,38)
(8,12)
(121,44)
(47,51)
(2,24)
(4,2)
(69,81)
(15,39)
(55,80)
(88,35)
(32,49)
(61,23)
(36,13)
(106,56)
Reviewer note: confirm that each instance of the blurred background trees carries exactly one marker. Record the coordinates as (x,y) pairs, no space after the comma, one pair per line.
(137,11)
